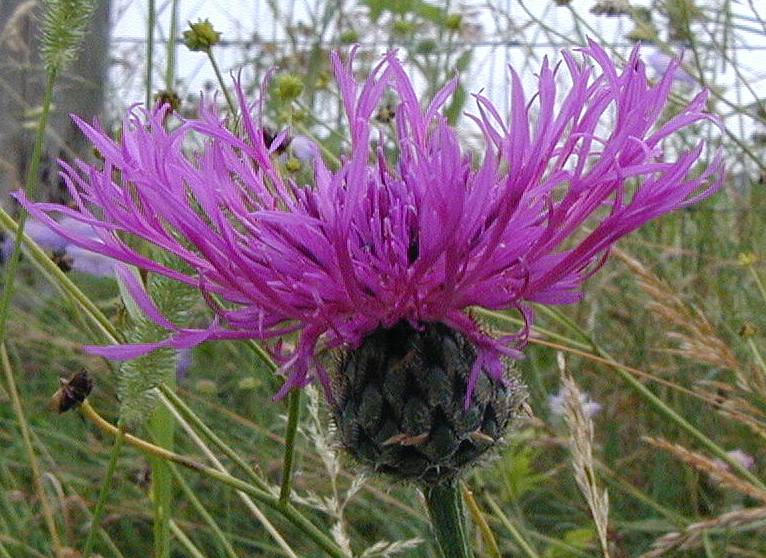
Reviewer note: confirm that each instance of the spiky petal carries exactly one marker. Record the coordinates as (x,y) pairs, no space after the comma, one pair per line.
(370,245)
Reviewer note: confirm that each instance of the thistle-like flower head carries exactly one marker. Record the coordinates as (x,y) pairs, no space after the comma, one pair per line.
(416,238)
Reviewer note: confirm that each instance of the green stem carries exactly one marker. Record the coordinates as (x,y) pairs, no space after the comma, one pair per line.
(26,437)
(149,53)
(29,189)
(327,153)
(757,354)
(445,506)
(162,429)
(170,69)
(758,282)
(293,417)
(490,543)
(217,70)
(98,512)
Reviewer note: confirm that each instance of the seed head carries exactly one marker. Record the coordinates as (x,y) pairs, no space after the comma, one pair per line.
(201,36)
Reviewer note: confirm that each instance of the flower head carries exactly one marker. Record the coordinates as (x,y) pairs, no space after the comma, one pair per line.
(372,244)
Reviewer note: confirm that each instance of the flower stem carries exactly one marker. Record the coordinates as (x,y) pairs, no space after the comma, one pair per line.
(32,178)
(170,68)
(217,70)
(149,53)
(162,429)
(98,512)
(293,417)
(445,506)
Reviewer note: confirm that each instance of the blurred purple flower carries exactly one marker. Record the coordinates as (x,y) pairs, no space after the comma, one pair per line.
(742,457)
(660,63)
(184,361)
(372,244)
(79,259)
(557,404)
(304,149)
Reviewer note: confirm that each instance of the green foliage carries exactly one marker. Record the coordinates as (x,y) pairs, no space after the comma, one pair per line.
(63,26)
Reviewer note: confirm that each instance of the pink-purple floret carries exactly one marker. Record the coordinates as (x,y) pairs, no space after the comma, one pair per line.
(374,243)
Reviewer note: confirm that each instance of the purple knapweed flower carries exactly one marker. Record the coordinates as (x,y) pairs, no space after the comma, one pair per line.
(78,259)
(660,63)
(376,243)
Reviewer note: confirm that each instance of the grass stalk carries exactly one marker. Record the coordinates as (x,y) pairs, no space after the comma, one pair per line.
(185,541)
(53,272)
(267,498)
(106,485)
(257,513)
(525,547)
(662,408)
(492,550)
(162,429)
(189,415)
(29,189)
(150,24)
(170,68)
(34,466)
(293,418)
(202,511)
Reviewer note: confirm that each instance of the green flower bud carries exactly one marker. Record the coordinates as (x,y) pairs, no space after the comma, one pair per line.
(288,87)
(201,36)
(747,330)
(401,27)
(349,37)
(427,46)
(453,22)
(168,97)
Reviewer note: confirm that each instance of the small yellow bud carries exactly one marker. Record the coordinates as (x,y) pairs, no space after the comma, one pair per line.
(206,387)
(747,259)
(293,165)
(747,330)
(201,36)
(248,383)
